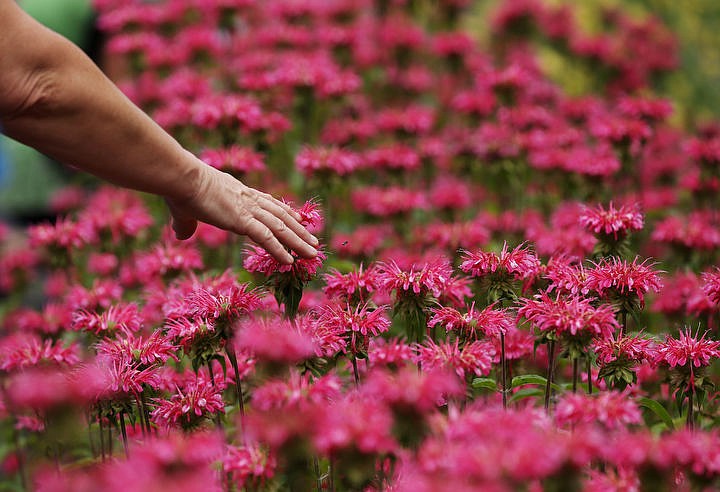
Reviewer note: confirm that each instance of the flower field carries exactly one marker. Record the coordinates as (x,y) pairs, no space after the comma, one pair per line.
(517,289)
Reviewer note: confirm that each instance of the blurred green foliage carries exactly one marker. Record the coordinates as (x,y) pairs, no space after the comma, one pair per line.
(694,86)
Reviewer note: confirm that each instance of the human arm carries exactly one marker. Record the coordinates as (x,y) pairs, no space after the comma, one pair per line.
(54,98)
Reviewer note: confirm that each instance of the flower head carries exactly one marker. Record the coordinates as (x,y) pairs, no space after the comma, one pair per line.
(612,409)
(688,350)
(613,277)
(472,358)
(612,221)
(569,315)
(520,263)
(274,340)
(356,285)
(489,322)
(188,406)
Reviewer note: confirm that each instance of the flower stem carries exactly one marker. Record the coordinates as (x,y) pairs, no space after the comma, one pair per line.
(318,477)
(690,422)
(20,459)
(503,370)
(238,388)
(123,431)
(140,416)
(575,374)
(551,373)
(589,375)
(355,371)
(102,435)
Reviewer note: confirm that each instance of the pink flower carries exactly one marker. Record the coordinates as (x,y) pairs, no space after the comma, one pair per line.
(566,276)
(102,294)
(450,193)
(698,230)
(625,348)
(617,222)
(229,303)
(387,202)
(429,278)
(711,285)
(64,234)
(472,358)
(489,322)
(688,350)
(518,345)
(120,317)
(356,323)
(355,423)
(614,276)
(102,263)
(410,389)
(569,315)
(188,406)
(310,215)
(129,348)
(274,340)
(365,241)
(393,352)
(520,263)
(392,157)
(124,379)
(249,462)
(234,159)
(31,351)
(317,160)
(356,285)
(611,409)
(16,268)
(176,461)
(258,260)
(297,391)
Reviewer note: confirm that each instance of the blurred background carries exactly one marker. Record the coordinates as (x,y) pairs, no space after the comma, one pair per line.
(28,179)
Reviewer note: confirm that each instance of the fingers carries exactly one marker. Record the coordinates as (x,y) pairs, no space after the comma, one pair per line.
(287,208)
(262,235)
(286,235)
(288,216)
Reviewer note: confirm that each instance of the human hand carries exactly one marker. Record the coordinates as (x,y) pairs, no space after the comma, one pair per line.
(223,201)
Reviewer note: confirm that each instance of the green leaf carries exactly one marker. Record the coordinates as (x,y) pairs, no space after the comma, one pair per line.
(485,383)
(528,379)
(533,379)
(658,410)
(523,393)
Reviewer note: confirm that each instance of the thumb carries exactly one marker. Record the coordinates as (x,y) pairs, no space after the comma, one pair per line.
(184,228)
(183,225)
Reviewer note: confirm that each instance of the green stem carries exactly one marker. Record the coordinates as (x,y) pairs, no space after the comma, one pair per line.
(102,435)
(355,371)
(551,372)
(589,375)
(503,370)
(230,351)
(123,431)
(575,374)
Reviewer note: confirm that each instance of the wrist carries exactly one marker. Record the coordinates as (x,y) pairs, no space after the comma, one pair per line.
(191,179)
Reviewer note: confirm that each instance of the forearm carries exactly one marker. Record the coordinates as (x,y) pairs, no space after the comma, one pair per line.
(74,114)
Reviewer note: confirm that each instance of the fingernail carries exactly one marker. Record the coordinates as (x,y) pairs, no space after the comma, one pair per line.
(314,241)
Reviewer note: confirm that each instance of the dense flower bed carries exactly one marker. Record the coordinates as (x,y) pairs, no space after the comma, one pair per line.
(517,290)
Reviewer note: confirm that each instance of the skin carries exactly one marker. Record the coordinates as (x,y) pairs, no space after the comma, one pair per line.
(55,99)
